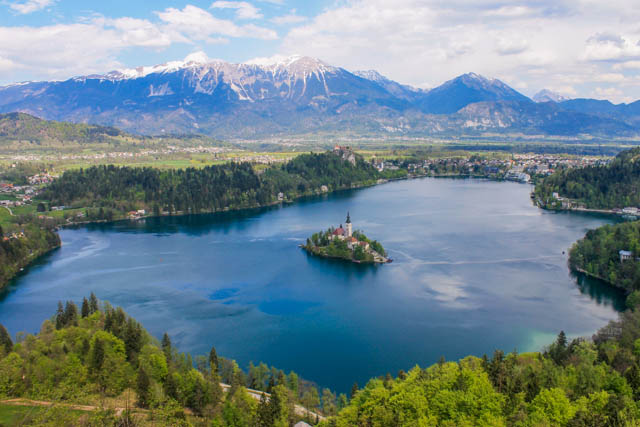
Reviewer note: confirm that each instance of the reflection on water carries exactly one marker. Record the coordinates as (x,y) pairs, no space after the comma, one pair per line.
(476,267)
(600,292)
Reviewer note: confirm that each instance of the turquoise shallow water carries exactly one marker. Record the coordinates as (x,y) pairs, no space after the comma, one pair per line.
(476,267)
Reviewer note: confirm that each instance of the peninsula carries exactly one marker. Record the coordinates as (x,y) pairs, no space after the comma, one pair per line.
(344,243)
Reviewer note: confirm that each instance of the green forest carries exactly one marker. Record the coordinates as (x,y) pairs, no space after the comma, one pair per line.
(212,188)
(615,185)
(571,383)
(98,356)
(597,254)
(18,249)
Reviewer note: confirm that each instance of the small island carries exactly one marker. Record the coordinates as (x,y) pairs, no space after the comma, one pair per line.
(344,243)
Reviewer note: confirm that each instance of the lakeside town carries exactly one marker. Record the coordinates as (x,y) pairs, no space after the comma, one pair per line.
(523,168)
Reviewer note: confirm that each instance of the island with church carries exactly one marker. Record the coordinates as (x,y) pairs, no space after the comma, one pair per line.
(347,244)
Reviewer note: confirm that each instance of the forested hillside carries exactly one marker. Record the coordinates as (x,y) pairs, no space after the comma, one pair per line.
(577,383)
(21,133)
(19,248)
(599,187)
(212,188)
(598,254)
(100,357)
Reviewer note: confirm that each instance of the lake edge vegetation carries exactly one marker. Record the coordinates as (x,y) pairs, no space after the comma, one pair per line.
(98,355)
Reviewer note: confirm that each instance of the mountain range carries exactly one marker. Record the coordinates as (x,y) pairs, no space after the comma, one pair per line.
(302,95)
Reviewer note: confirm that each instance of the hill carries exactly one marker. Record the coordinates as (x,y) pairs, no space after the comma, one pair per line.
(212,188)
(99,357)
(598,254)
(300,95)
(616,185)
(21,133)
(104,362)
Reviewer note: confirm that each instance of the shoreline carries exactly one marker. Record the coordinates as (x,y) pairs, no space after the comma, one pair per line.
(27,262)
(354,261)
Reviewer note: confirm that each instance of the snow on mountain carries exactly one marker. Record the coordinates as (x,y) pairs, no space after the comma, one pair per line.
(545,95)
(298,94)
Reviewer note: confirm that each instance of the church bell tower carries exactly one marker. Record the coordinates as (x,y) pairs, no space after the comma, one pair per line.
(349,229)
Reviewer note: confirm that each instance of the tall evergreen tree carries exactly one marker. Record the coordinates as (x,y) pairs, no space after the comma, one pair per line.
(97,356)
(166,347)
(354,390)
(5,340)
(60,316)
(265,415)
(70,314)
(143,388)
(213,360)
(85,308)
(93,303)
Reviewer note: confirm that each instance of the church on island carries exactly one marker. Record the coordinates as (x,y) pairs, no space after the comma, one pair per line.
(345,243)
(347,234)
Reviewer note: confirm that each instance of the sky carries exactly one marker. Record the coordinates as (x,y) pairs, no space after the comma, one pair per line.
(579,48)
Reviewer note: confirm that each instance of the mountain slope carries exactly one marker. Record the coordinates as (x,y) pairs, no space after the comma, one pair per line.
(467,89)
(545,95)
(302,95)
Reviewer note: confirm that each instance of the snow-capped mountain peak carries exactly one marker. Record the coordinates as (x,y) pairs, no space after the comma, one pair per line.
(546,95)
(372,75)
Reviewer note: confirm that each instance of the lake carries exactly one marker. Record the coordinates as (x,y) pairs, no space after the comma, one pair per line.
(476,268)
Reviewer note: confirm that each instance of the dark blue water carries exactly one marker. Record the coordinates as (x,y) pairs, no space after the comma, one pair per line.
(476,267)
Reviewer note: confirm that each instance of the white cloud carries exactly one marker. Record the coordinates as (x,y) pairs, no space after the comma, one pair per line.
(30,6)
(611,47)
(610,78)
(530,44)
(510,11)
(243,9)
(629,65)
(198,24)
(291,18)
(610,93)
(94,45)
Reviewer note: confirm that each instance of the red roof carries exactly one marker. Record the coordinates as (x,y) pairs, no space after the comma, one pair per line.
(363,243)
(352,239)
(338,232)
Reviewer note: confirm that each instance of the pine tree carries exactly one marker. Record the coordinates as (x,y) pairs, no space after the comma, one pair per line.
(166,347)
(85,308)
(93,303)
(265,416)
(97,356)
(70,314)
(213,360)
(632,375)
(132,339)
(143,388)
(5,340)
(354,390)
(562,340)
(60,316)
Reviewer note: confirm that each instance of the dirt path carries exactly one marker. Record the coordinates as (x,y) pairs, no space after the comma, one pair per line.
(256,394)
(28,402)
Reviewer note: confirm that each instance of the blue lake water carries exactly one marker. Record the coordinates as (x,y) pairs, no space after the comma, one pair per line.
(476,267)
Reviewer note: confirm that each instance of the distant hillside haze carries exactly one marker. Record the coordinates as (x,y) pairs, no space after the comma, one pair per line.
(301,95)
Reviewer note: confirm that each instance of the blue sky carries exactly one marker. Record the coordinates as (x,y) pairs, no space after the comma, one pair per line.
(580,48)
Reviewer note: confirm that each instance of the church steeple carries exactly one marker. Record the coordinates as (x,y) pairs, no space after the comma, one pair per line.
(349,229)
